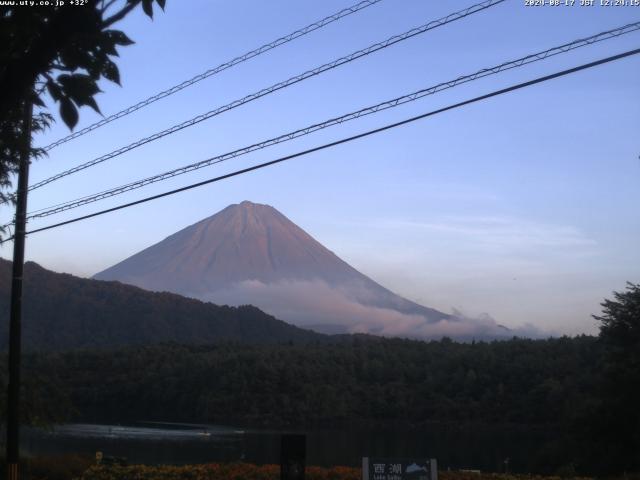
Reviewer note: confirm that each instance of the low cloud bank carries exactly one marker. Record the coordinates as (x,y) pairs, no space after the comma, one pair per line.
(315,303)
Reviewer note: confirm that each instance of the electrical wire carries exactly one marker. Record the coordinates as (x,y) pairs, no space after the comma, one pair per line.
(278,86)
(535,57)
(213,71)
(344,140)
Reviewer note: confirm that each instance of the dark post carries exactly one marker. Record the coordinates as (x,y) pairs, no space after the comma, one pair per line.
(13,400)
(293,455)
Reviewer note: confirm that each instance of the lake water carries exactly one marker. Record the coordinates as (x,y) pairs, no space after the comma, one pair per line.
(484,448)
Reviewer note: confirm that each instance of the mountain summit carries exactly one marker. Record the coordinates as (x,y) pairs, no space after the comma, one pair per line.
(250,253)
(245,241)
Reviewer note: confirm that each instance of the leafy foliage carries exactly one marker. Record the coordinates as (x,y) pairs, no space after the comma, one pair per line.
(243,471)
(540,385)
(620,325)
(616,417)
(537,386)
(63,50)
(241,366)
(364,381)
(52,467)
(11,145)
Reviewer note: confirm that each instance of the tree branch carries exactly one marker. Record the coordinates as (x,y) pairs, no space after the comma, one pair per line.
(106,7)
(120,15)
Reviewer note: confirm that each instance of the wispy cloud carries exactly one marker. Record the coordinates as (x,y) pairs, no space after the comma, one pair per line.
(502,232)
(502,264)
(310,303)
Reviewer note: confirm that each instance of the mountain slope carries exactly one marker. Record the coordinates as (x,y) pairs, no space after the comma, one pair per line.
(251,253)
(62,311)
(246,241)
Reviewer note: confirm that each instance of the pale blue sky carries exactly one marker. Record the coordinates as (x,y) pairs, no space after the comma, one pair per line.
(523,206)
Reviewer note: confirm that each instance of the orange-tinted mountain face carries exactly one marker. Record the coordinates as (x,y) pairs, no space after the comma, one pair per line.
(242,242)
(252,254)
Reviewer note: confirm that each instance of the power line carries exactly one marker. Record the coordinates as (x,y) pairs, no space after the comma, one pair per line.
(278,86)
(213,71)
(345,140)
(535,57)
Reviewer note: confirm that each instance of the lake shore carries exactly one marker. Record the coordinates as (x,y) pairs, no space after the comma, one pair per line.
(76,467)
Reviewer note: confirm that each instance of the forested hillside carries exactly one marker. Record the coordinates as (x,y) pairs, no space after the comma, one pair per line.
(550,388)
(62,311)
(188,361)
(365,381)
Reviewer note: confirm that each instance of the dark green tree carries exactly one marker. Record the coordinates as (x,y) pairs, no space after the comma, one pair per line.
(618,422)
(60,51)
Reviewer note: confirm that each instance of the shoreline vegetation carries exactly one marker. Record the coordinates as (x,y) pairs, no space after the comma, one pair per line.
(547,387)
(584,391)
(77,467)
(243,471)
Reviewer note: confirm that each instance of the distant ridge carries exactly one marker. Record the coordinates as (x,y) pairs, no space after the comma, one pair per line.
(62,311)
(252,253)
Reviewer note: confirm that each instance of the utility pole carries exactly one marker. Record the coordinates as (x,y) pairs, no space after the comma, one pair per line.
(15,322)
